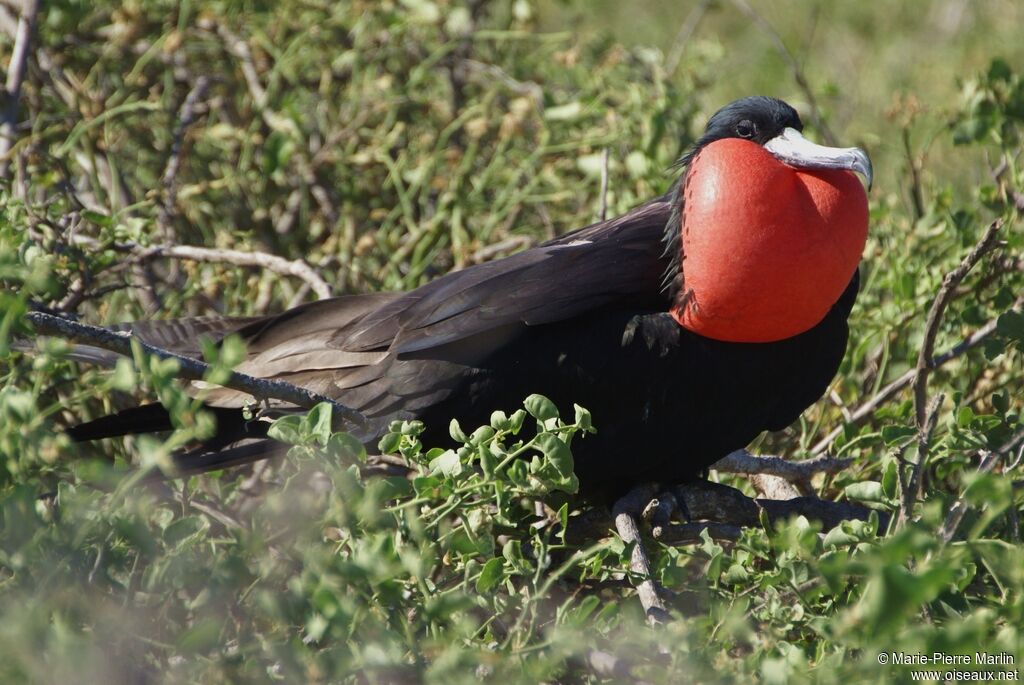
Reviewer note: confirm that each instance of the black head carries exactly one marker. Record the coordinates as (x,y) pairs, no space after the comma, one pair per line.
(775,125)
(757,118)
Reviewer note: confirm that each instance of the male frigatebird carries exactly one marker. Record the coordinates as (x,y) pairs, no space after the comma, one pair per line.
(687,326)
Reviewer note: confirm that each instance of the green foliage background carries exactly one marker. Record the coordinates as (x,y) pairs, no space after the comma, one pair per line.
(385,143)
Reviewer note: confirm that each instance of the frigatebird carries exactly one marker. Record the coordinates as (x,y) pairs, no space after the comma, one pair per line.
(687,326)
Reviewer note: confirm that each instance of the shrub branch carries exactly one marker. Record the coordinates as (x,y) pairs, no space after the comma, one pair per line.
(189,369)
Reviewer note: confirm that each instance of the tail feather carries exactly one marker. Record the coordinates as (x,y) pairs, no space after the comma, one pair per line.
(147,418)
(237,440)
(203,459)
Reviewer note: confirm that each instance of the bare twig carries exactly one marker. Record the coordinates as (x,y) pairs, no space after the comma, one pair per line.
(942,299)
(682,39)
(603,211)
(988,463)
(726,505)
(121,342)
(776,488)
(15,75)
(186,117)
(296,268)
(722,511)
(240,50)
(795,67)
(8,22)
(912,492)
(742,461)
(866,410)
(625,513)
(916,194)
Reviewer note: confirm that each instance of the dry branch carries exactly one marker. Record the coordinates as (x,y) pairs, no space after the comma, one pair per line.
(191,369)
(911,491)
(742,461)
(15,75)
(797,69)
(988,463)
(625,516)
(723,511)
(938,308)
(866,410)
(296,268)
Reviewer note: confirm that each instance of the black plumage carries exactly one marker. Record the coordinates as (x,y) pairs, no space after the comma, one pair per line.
(582,318)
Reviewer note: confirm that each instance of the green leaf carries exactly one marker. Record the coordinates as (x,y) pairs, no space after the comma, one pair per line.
(1011,325)
(201,637)
(515,422)
(317,423)
(890,477)
(736,574)
(447,464)
(389,443)
(183,528)
(345,448)
(431,487)
(455,430)
(488,461)
(838,537)
(287,429)
(541,408)
(865,491)
(557,452)
(893,435)
(583,419)
(481,435)
(492,574)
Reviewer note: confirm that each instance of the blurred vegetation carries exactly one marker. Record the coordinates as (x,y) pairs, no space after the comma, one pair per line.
(385,143)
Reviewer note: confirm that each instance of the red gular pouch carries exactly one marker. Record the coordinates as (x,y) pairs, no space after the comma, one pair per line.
(767,248)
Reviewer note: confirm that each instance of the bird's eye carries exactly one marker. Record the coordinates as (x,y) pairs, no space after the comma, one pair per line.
(745,129)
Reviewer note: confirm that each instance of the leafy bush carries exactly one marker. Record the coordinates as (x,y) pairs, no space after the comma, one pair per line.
(384,143)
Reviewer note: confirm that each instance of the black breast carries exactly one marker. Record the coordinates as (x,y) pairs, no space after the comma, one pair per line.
(667,403)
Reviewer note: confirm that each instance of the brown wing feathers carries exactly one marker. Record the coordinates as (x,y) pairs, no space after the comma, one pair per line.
(390,355)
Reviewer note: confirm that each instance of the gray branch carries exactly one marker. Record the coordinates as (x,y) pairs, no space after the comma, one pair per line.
(15,76)
(742,461)
(723,511)
(625,513)
(296,268)
(191,369)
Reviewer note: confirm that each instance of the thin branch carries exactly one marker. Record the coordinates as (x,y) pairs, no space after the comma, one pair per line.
(186,117)
(603,211)
(795,67)
(934,321)
(15,76)
(912,493)
(240,50)
(625,516)
(722,511)
(988,463)
(916,194)
(866,410)
(742,461)
(777,488)
(682,39)
(191,369)
(296,268)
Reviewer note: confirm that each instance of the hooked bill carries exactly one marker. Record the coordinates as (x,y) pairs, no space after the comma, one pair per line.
(767,248)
